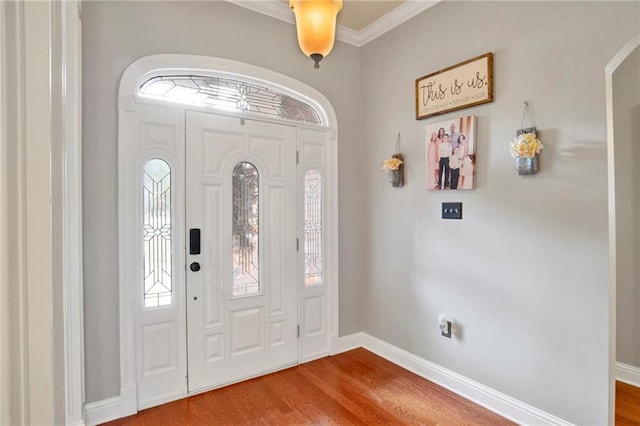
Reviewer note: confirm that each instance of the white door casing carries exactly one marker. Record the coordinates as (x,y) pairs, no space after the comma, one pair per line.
(610,69)
(141,384)
(235,337)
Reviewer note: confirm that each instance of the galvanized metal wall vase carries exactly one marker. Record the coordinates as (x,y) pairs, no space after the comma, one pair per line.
(395,166)
(526,147)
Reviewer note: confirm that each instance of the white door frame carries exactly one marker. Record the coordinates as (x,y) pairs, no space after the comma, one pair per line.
(611,67)
(55,63)
(154,65)
(69,31)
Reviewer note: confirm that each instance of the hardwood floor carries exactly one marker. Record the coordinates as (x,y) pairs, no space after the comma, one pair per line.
(355,388)
(627,405)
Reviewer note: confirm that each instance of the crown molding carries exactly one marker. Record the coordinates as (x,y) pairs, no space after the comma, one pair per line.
(349,36)
(397,16)
(274,9)
(394,18)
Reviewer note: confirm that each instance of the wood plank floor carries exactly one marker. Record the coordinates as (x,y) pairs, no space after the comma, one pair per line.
(627,405)
(355,388)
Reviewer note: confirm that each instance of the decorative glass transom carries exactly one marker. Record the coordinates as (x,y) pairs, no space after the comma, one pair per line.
(245,242)
(156,200)
(312,228)
(229,95)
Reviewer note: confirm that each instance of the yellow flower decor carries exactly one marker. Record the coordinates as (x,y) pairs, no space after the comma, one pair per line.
(391,163)
(527,145)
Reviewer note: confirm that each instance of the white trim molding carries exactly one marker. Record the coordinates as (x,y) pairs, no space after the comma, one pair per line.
(109,409)
(5,336)
(41,231)
(504,405)
(102,411)
(40,301)
(407,10)
(350,342)
(628,374)
(611,67)
(68,31)
(396,17)
(14,397)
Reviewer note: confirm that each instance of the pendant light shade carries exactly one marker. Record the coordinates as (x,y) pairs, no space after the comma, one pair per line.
(316,25)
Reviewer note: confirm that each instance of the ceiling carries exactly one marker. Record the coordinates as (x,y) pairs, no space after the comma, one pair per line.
(359,22)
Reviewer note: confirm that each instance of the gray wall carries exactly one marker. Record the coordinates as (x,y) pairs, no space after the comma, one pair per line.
(117,33)
(626,109)
(525,273)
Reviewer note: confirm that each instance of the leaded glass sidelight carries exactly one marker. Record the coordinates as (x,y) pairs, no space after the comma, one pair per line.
(245,230)
(312,228)
(156,200)
(229,95)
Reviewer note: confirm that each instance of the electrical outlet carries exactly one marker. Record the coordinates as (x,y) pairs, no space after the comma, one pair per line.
(452,210)
(445,326)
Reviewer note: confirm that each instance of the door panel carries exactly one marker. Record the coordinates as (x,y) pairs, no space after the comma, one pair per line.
(157,243)
(314,335)
(314,315)
(246,330)
(231,338)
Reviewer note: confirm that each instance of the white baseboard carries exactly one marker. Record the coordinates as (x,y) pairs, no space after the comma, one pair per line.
(352,341)
(110,409)
(102,411)
(628,374)
(482,395)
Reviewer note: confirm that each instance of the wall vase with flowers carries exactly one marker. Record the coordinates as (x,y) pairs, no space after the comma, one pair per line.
(526,147)
(395,166)
(395,169)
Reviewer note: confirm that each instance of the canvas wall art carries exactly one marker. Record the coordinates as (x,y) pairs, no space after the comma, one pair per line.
(451,154)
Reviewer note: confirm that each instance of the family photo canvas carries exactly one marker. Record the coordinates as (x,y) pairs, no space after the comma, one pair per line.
(451,159)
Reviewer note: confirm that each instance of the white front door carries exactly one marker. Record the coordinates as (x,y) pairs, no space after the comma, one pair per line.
(242,268)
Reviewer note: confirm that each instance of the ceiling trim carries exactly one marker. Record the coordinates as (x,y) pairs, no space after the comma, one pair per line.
(274,9)
(397,16)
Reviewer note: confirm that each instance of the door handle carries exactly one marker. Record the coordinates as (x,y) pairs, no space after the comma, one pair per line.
(195,266)
(194,241)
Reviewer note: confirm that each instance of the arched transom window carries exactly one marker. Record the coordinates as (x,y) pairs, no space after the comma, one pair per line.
(228,95)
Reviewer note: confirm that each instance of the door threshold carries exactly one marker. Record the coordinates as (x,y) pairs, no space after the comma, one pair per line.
(243,379)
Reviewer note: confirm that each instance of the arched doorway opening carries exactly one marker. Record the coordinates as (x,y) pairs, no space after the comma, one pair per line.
(622,198)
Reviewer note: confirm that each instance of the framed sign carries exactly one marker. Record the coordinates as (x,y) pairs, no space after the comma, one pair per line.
(459,86)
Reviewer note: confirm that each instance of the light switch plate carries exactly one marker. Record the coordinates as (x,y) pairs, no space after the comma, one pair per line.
(452,210)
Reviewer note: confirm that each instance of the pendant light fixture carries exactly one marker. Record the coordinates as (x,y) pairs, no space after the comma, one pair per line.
(316,25)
